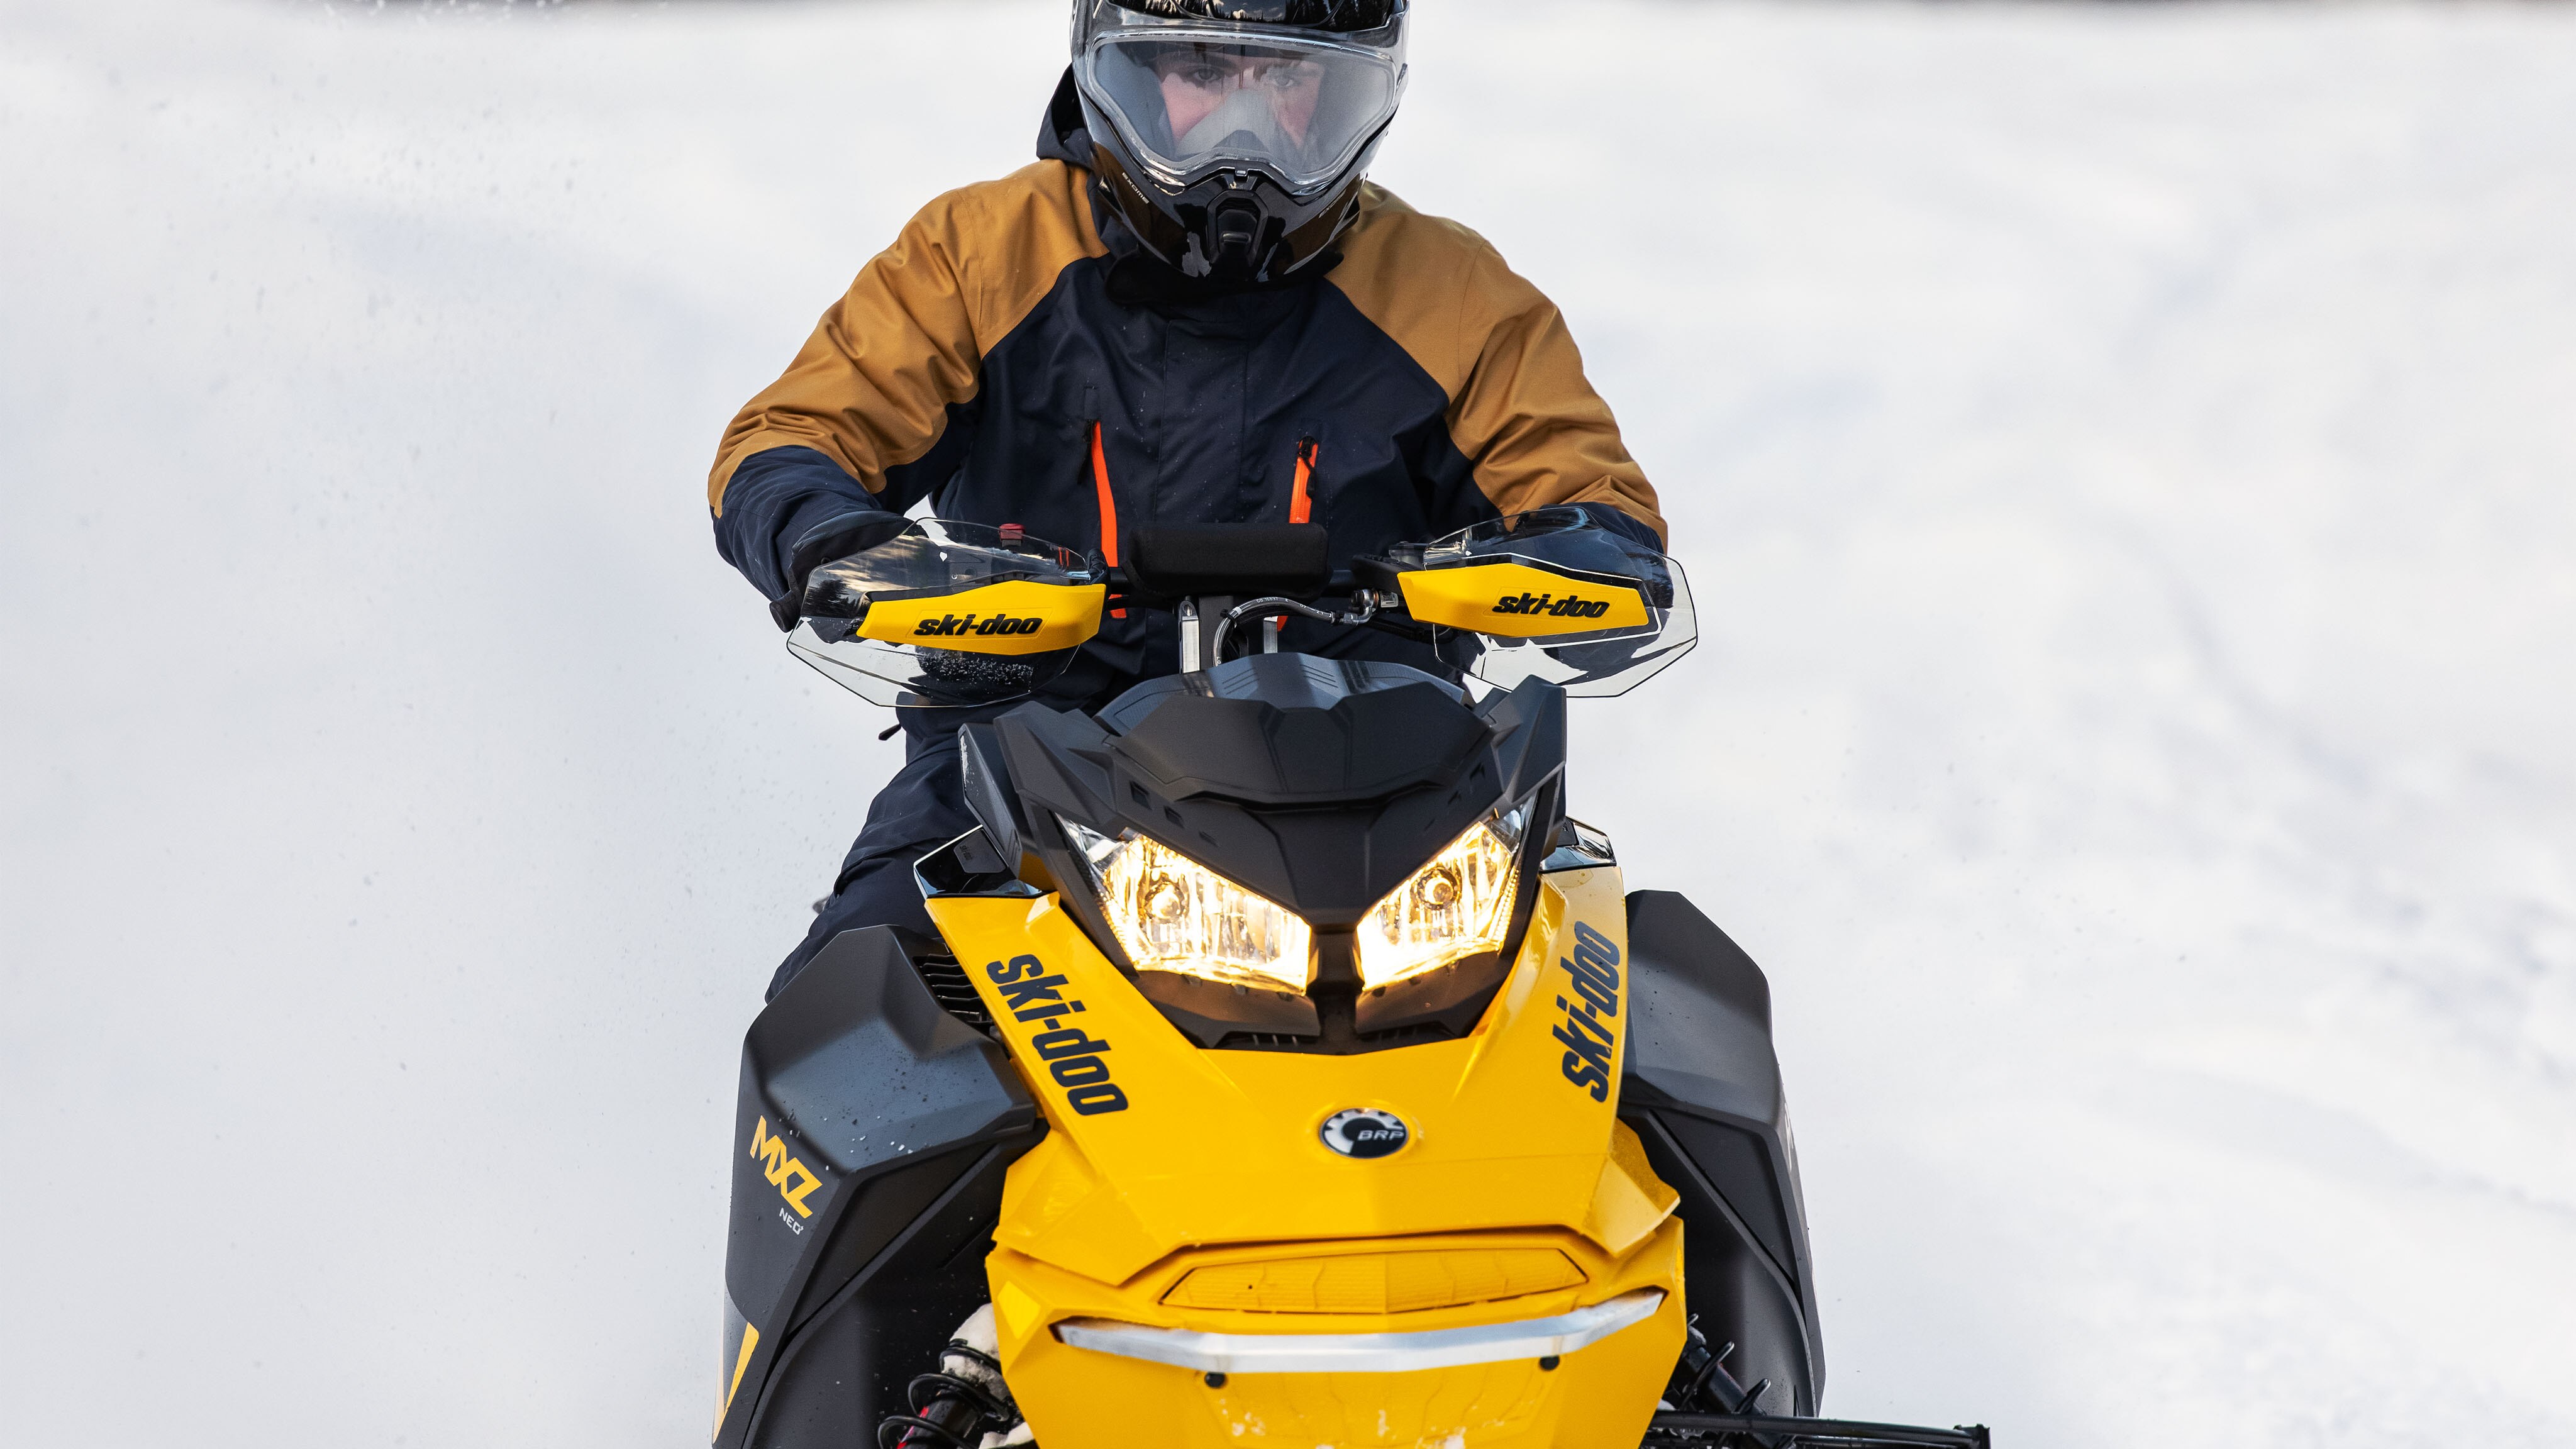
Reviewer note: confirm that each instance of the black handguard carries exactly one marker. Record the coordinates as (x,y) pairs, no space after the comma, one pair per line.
(836,537)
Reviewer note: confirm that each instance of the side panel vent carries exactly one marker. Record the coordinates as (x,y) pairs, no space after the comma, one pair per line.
(949,986)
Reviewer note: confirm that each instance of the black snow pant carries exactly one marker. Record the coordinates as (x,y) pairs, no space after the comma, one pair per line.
(920,809)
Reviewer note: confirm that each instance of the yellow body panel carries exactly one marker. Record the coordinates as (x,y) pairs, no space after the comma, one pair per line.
(1165,1162)
(1517,601)
(1401,1282)
(1016,616)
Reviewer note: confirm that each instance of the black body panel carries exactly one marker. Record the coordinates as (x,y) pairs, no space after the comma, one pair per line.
(1321,784)
(1361,747)
(1702,1090)
(890,1123)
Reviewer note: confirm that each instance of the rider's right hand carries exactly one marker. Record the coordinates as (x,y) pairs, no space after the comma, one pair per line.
(836,537)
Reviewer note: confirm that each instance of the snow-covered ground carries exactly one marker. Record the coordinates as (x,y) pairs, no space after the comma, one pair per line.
(2127,458)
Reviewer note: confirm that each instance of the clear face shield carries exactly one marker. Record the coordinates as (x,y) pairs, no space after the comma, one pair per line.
(1194,96)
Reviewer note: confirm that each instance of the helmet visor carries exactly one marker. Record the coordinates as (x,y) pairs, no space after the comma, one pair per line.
(1191,100)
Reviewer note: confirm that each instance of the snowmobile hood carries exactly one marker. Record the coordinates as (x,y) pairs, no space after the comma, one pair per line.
(1281,729)
(1320,784)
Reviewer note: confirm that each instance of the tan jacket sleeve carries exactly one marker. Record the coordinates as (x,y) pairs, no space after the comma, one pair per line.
(1520,408)
(872,387)
(1527,417)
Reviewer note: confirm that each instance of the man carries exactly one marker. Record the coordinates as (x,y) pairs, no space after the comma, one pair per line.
(1192,309)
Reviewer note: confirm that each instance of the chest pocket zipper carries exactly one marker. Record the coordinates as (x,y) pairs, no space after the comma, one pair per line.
(1108,506)
(1301,504)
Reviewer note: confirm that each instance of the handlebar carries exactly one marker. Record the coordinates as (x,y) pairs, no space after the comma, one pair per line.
(1237,571)
(1340,583)
(1546,595)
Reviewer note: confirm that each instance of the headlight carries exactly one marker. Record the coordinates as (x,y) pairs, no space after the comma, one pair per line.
(1173,914)
(1456,906)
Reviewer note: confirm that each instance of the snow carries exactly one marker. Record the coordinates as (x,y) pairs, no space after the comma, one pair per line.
(2123,456)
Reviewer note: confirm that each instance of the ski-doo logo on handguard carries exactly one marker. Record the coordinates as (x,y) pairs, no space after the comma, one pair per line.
(1518,601)
(790,1176)
(1591,1019)
(949,626)
(1078,1063)
(1568,607)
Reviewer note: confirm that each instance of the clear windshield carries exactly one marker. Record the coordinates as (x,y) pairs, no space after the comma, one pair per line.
(1188,97)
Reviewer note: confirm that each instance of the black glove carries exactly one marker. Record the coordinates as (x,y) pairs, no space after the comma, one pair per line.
(836,537)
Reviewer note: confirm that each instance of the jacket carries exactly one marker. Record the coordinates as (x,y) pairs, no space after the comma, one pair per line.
(1015,357)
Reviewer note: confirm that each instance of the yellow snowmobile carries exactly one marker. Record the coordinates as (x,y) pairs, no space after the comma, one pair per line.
(1289,1067)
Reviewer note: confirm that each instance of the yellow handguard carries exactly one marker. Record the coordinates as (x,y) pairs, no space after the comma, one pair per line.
(1510,600)
(1015,616)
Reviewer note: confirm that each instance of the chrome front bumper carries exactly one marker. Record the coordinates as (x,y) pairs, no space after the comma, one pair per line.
(1363,1353)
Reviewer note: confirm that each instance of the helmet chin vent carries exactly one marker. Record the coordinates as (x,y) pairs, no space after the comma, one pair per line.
(1236,226)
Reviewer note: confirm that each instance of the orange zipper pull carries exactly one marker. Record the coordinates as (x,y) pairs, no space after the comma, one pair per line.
(1301,508)
(1108,507)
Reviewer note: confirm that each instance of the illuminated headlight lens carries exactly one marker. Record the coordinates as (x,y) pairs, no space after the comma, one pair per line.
(1456,906)
(1173,914)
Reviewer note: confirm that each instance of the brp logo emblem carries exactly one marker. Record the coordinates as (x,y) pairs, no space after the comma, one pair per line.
(1365,1132)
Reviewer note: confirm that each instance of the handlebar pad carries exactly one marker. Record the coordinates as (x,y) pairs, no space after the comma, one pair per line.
(1237,560)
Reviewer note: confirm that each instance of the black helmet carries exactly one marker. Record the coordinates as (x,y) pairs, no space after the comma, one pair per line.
(1231,134)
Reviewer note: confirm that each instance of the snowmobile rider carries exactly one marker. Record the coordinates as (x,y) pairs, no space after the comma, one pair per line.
(1191,309)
